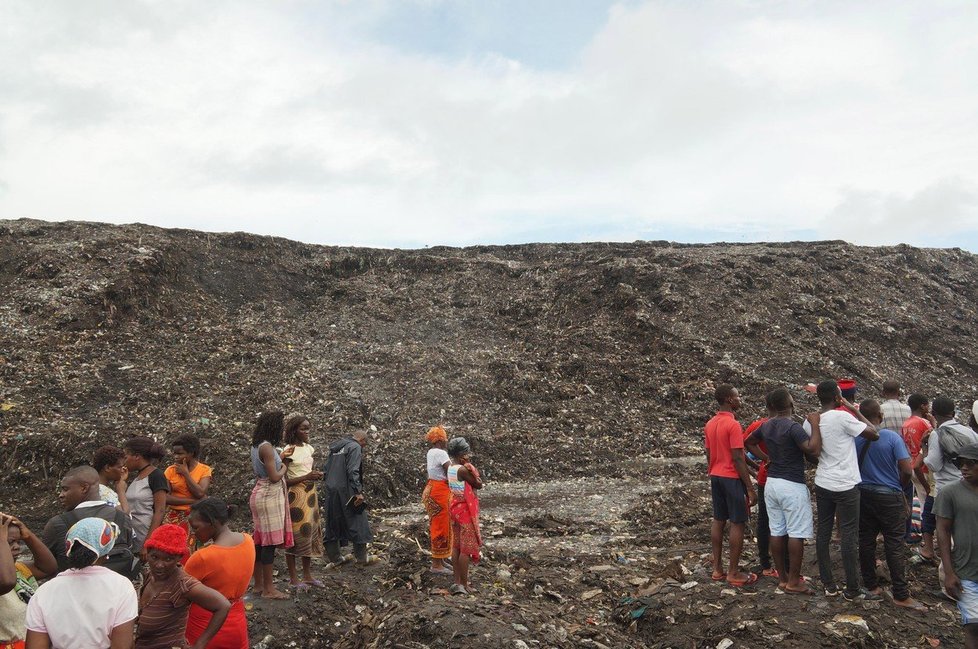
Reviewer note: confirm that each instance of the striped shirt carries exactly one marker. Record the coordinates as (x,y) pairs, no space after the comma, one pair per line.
(163,610)
(895,414)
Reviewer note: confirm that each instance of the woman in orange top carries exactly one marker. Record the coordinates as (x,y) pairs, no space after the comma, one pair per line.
(226,566)
(189,480)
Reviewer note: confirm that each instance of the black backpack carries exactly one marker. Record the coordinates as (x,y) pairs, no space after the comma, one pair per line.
(121,558)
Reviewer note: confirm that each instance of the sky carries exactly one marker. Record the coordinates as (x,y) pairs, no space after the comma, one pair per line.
(409,123)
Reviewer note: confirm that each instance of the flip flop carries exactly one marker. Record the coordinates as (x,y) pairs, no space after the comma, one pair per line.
(315,582)
(919,607)
(770,572)
(804,590)
(721,576)
(301,587)
(445,570)
(751,579)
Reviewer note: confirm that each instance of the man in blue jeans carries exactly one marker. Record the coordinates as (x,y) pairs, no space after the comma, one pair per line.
(835,486)
(886,469)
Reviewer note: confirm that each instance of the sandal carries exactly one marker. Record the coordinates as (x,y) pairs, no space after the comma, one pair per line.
(770,572)
(444,570)
(458,589)
(315,582)
(301,587)
(740,583)
(920,607)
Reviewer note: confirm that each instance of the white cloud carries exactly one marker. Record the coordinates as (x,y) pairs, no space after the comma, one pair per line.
(284,118)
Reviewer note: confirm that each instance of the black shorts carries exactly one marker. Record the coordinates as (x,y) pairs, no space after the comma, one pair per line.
(729,499)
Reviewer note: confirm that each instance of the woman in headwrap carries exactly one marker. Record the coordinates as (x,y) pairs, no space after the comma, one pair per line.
(436,499)
(463,480)
(166,597)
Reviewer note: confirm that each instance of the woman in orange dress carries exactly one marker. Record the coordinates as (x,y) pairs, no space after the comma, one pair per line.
(226,566)
(436,499)
(189,480)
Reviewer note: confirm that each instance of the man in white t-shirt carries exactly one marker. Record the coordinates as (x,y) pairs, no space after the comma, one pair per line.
(87,606)
(836,489)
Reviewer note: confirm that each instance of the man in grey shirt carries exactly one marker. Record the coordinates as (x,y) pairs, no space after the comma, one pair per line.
(945,472)
(957,521)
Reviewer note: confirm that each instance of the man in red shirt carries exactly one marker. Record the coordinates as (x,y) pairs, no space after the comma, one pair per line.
(730,486)
(916,431)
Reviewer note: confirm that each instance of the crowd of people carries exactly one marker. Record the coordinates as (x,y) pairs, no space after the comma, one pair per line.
(144,557)
(873,462)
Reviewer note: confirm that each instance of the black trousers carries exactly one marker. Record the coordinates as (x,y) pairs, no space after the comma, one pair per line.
(886,513)
(847,504)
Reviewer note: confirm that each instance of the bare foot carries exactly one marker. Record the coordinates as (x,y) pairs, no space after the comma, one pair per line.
(274,594)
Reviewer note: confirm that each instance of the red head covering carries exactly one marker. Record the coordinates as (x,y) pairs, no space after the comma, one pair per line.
(171,539)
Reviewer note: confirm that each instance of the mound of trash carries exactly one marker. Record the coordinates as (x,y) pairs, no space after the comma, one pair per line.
(553,360)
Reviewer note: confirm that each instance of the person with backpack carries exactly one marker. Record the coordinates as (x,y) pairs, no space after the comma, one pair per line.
(80,498)
(947,440)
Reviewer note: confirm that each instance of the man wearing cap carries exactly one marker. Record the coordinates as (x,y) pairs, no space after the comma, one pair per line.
(87,606)
(956,508)
(79,496)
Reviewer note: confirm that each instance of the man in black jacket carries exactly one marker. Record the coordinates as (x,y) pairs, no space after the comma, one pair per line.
(346,509)
(79,496)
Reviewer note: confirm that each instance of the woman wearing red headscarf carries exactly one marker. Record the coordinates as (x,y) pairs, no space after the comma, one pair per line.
(436,498)
(164,601)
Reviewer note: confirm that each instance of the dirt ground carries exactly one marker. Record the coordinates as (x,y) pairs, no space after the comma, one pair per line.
(581,373)
(588,562)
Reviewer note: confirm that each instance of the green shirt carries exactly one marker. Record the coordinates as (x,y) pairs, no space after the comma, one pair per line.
(959,502)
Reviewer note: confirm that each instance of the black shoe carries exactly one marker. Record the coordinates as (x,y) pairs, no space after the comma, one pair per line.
(862,595)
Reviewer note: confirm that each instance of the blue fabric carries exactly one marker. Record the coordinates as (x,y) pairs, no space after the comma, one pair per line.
(879,467)
(94,533)
(258,466)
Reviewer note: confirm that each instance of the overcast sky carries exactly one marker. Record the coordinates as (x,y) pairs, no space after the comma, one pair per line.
(419,122)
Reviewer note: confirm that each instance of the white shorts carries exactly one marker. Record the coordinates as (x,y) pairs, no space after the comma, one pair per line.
(789,509)
(968,602)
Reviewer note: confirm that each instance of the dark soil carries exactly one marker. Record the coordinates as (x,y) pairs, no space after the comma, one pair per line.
(576,363)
